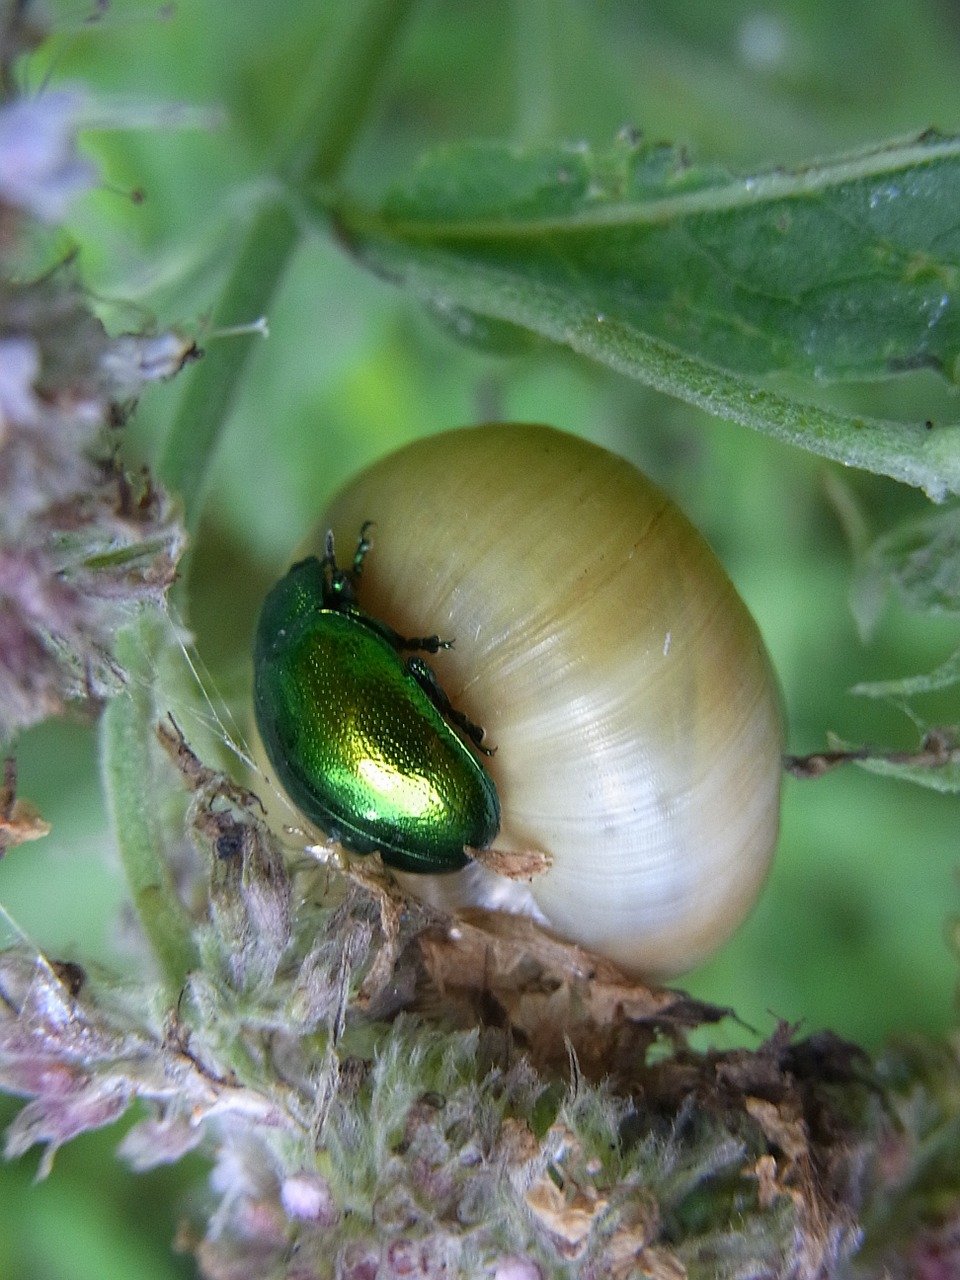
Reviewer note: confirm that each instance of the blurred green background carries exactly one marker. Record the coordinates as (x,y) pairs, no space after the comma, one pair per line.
(852,931)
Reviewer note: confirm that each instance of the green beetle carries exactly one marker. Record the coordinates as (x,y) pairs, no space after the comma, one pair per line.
(360,738)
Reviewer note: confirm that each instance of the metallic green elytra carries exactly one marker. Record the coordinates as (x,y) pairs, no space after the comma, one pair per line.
(360,738)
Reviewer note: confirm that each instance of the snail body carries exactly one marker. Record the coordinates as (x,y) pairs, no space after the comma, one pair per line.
(616,672)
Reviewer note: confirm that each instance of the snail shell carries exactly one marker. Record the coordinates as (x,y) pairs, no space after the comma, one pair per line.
(614,668)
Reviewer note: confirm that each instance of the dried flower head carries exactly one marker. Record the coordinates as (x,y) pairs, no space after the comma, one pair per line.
(81,542)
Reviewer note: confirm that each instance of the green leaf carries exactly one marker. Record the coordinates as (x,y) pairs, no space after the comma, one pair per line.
(846,269)
(919,560)
(698,281)
(942,677)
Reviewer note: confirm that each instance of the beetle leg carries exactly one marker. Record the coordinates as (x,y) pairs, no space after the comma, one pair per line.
(427,644)
(428,682)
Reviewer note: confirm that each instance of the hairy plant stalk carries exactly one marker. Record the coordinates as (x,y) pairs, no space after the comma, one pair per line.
(131,786)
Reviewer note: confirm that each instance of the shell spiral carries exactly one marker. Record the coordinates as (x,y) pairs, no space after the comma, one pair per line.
(620,677)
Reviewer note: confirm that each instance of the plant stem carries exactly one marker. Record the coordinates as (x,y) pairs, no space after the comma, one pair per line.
(209,394)
(328,124)
(347,83)
(533,25)
(130,784)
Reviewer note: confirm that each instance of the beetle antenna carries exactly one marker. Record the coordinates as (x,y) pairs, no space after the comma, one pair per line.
(340,586)
(363,546)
